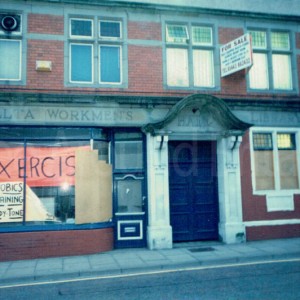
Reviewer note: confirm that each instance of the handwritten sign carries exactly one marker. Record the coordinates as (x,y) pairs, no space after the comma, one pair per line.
(12,204)
(11,201)
(236,55)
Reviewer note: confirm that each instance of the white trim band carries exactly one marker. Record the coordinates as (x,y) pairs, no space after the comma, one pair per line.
(272,222)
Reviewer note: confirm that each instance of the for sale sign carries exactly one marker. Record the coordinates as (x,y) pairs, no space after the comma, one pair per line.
(236,55)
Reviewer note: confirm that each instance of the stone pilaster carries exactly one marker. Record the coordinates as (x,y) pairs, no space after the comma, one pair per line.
(231,228)
(159,231)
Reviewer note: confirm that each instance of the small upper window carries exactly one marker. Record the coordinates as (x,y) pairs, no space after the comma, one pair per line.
(286,141)
(177,34)
(262,141)
(81,28)
(272,61)
(259,39)
(202,35)
(109,29)
(280,41)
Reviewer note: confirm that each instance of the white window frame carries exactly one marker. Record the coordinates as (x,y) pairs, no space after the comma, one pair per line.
(269,52)
(15,36)
(212,68)
(81,36)
(95,41)
(189,45)
(184,72)
(199,43)
(120,62)
(107,37)
(274,131)
(174,40)
(70,64)
(20,66)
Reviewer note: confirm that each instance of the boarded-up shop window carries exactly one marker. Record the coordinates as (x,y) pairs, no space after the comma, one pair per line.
(264,162)
(37,182)
(264,170)
(275,161)
(287,161)
(93,188)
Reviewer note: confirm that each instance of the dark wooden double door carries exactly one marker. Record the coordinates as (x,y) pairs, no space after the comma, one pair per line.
(193,190)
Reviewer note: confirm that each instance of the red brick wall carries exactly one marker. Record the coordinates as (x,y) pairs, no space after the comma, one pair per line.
(145,69)
(45,24)
(298,40)
(45,50)
(144,30)
(145,62)
(272,232)
(29,245)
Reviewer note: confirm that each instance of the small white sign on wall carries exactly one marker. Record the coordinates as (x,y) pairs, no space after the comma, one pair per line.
(236,55)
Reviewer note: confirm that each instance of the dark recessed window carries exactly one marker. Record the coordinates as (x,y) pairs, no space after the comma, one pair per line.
(262,141)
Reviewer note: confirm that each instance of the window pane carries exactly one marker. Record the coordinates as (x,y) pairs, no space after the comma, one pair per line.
(259,39)
(177,67)
(110,64)
(110,29)
(264,170)
(288,163)
(81,28)
(202,36)
(262,141)
(203,68)
(258,74)
(286,141)
(129,195)
(280,40)
(129,155)
(282,73)
(10,60)
(81,63)
(177,34)
(288,169)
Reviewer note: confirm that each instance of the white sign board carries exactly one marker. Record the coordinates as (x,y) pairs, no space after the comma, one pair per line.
(236,55)
(12,207)
(11,201)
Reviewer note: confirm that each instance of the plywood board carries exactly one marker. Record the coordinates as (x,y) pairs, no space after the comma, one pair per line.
(93,188)
(264,170)
(288,169)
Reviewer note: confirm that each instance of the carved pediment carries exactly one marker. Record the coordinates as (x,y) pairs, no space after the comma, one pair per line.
(200,113)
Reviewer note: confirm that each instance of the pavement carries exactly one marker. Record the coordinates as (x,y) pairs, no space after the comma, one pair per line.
(138,261)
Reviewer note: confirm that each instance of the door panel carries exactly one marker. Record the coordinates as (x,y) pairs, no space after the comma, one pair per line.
(193,190)
(129,189)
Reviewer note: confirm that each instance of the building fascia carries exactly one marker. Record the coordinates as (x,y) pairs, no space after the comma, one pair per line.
(247,103)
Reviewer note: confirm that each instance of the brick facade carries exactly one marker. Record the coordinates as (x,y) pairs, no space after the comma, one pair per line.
(46,37)
(29,245)
(45,24)
(50,51)
(141,60)
(144,31)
